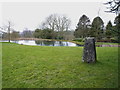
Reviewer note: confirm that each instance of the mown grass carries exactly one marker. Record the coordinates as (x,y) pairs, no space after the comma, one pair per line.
(97,43)
(57,67)
(0,66)
(105,43)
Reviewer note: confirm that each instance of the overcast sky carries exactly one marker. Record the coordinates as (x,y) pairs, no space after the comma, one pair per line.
(31,14)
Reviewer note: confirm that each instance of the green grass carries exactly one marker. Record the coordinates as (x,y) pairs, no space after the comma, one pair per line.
(97,43)
(103,43)
(57,67)
(0,66)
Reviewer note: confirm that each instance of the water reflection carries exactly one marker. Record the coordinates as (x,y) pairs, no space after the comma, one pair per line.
(26,42)
(54,43)
(44,43)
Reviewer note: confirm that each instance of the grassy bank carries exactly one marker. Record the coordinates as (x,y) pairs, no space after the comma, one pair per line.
(96,43)
(77,42)
(52,67)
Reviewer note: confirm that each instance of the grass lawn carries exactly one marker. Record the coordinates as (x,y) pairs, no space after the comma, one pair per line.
(57,67)
(97,43)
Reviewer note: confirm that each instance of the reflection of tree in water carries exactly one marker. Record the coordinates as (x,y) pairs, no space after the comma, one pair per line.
(38,42)
(45,43)
(52,43)
(49,43)
(61,43)
(66,43)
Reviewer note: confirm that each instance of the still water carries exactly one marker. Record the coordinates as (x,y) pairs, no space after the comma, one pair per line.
(45,43)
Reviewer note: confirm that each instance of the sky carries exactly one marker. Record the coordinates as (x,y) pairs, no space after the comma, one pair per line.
(31,14)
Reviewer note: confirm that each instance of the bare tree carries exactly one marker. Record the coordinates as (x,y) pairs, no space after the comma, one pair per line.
(58,23)
(7,28)
(49,22)
(63,23)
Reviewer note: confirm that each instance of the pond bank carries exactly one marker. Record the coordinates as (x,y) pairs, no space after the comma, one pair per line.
(98,44)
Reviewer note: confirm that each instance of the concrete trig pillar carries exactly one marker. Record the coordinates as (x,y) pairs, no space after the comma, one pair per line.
(89,52)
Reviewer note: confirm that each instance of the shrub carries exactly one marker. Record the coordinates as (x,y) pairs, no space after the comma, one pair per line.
(114,40)
(78,39)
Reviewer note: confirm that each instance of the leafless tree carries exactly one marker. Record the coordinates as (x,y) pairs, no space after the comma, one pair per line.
(49,22)
(63,23)
(55,22)
(7,28)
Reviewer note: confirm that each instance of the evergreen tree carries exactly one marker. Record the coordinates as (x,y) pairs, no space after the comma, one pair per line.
(114,6)
(82,27)
(117,22)
(117,28)
(108,32)
(38,33)
(97,28)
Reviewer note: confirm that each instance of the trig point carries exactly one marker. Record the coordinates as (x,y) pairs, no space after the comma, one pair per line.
(89,52)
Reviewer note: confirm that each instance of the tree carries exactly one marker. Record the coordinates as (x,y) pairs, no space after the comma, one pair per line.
(97,28)
(69,35)
(14,35)
(57,23)
(44,34)
(49,22)
(109,32)
(1,33)
(27,33)
(109,26)
(38,33)
(62,25)
(117,22)
(117,27)
(114,6)
(82,27)
(47,34)
(8,28)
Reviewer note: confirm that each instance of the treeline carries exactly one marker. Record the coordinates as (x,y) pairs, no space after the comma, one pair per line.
(58,27)
(14,35)
(54,27)
(96,28)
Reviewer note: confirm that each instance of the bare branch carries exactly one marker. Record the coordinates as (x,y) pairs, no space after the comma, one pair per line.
(113,6)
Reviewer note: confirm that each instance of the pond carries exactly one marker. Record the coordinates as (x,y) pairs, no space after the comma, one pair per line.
(44,43)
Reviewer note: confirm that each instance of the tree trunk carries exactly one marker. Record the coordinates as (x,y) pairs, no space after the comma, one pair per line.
(9,33)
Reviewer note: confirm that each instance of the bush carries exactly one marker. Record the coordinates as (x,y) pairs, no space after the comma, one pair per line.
(83,39)
(114,40)
(79,39)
